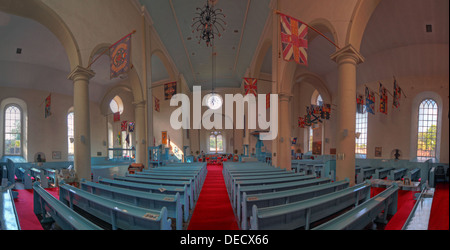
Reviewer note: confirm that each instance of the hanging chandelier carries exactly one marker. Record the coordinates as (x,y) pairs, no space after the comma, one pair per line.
(207,23)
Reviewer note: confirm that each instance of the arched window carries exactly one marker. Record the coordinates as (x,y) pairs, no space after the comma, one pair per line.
(427,130)
(116,105)
(216,142)
(361,134)
(315,130)
(13,130)
(70,136)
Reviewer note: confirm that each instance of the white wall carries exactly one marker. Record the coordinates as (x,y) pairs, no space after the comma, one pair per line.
(50,134)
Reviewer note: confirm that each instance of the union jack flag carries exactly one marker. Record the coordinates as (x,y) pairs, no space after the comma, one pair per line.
(293,40)
(301,122)
(124,126)
(250,86)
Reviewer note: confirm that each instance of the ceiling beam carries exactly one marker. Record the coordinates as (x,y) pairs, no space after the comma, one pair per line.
(182,40)
(242,35)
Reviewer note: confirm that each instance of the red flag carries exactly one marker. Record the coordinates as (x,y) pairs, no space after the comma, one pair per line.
(48,103)
(301,122)
(124,126)
(293,39)
(117,117)
(250,86)
(120,54)
(383,99)
(156,104)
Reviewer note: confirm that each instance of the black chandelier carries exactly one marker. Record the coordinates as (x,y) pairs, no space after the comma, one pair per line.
(208,22)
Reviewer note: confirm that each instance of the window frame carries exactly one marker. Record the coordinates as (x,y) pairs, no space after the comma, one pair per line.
(433,120)
(21,129)
(418,99)
(364,116)
(70,155)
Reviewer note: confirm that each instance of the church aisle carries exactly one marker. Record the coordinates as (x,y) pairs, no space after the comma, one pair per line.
(24,208)
(213,210)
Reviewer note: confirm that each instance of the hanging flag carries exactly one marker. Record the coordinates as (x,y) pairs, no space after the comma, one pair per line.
(120,54)
(397,95)
(360,104)
(131,127)
(164,137)
(124,126)
(119,138)
(127,139)
(301,122)
(370,101)
(170,89)
(48,103)
(156,104)
(293,40)
(267,100)
(383,99)
(250,86)
(117,117)
(326,111)
(313,113)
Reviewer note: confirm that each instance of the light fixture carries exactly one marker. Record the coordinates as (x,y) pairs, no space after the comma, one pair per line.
(214,100)
(207,23)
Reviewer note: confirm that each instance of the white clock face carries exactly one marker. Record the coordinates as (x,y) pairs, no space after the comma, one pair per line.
(214,101)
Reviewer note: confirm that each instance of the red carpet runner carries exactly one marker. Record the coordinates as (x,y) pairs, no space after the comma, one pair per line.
(439,215)
(213,210)
(405,204)
(24,208)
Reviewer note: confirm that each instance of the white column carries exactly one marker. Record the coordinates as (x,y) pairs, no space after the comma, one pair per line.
(82,144)
(139,114)
(284,132)
(347,58)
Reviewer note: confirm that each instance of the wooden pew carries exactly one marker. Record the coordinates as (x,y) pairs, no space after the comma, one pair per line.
(260,189)
(45,204)
(303,213)
(158,189)
(192,194)
(139,198)
(259,182)
(382,173)
(360,216)
(397,174)
(120,215)
(284,197)
(171,176)
(8,214)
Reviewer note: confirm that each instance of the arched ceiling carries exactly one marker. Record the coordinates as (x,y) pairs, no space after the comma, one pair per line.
(245,22)
(395,42)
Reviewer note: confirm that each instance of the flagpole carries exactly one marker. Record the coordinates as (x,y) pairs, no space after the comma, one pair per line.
(318,32)
(104,51)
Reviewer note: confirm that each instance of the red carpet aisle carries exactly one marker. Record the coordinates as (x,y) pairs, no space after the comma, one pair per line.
(24,207)
(405,203)
(439,216)
(213,210)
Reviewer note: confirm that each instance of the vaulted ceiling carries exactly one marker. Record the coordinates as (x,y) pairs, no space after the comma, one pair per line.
(395,42)
(245,20)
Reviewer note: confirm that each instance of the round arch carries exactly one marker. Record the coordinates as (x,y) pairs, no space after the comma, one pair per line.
(38,11)
(357,25)
(166,63)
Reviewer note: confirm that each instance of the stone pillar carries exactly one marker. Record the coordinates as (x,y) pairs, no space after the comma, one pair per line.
(284,132)
(82,144)
(139,114)
(347,58)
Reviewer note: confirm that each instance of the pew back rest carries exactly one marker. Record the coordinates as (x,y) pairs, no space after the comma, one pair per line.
(65,217)
(118,214)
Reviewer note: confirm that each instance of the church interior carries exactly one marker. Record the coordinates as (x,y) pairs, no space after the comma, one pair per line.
(141,114)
